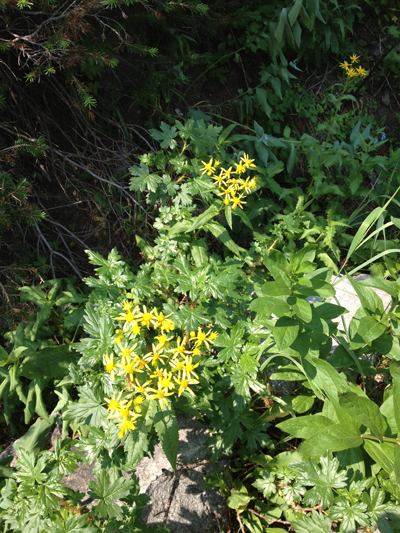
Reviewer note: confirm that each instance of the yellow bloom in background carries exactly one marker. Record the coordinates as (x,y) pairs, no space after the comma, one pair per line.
(354,58)
(361,71)
(208,167)
(240,168)
(167,326)
(351,72)
(125,412)
(141,388)
(166,382)
(344,65)
(177,365)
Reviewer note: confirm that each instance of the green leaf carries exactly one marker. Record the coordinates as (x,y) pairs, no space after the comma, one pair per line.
(303,310)
(228,215)
(382,453)
(266,484)
(305,427)
(324,479)
(202,219)
(281,26)
(238,500)
(107,492)
(166,135)
(333,438)
(191,319)
(294,11)
(231,344)
(221,233)
(267,305)
(285,332)
(278,266)
(302,404)
(136,444)
(49,363)
(395,373)
(316,523)
(351,514)
(167,430)
(364,411)
(143,179)
(89,408)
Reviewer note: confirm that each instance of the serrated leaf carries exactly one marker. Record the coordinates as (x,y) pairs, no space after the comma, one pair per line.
(238,500)
(107,492)
(166,426)
(89,408)
(231,344)
(143,180)
(316,523)
(266,484)
(324,479)
(351,514)
(166,136)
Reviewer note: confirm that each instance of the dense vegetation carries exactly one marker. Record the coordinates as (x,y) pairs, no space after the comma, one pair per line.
(222,165)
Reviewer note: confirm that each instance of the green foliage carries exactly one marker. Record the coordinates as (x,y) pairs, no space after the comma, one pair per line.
(42,351)
(34,499)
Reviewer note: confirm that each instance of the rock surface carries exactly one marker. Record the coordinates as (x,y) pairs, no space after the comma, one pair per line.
(179,501)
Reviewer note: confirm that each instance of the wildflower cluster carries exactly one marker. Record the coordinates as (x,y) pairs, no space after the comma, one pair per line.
(143,373)
(231,181)
(350,68)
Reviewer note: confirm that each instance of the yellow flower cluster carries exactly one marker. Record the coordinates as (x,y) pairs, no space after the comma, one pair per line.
(350,68)
(231,181)
(167,368)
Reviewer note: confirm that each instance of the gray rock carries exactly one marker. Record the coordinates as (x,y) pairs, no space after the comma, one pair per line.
(178,501)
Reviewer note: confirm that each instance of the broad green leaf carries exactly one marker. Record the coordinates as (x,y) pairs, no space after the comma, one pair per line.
(285,332)
(305,427)
(221,233)
(274,288)
(363,230)
(278,266)
(387,345)
(333,438)
(306,254)
(228,215)
(136,444)
(238,500)
(199,252)
(302,404)
(267,305)
(396,463)
(202,219)
(382,453)
(49,363)
(295,11)
(368,298)
(303,309)
(364,411)
(166,426)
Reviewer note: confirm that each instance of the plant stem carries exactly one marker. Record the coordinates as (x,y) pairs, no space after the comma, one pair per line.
(384,439)
(266,517)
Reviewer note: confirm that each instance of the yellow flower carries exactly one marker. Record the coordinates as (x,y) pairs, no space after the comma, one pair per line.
(141,388)
(177,365)
(184,385)
(160,395)
(344,65)
(167,326)
(114,405)
(189,368)
(246,161)
(354,58)
(180,348)
(163,341)
(125,412)
(125,426)
(352,72)
(165,382)
(236,200)
(110,366)
(216,163)
(213,336)
(196,351)
(226,173)
(240,168)
(208,167)
(135,329)
(361,71)
(147,318)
